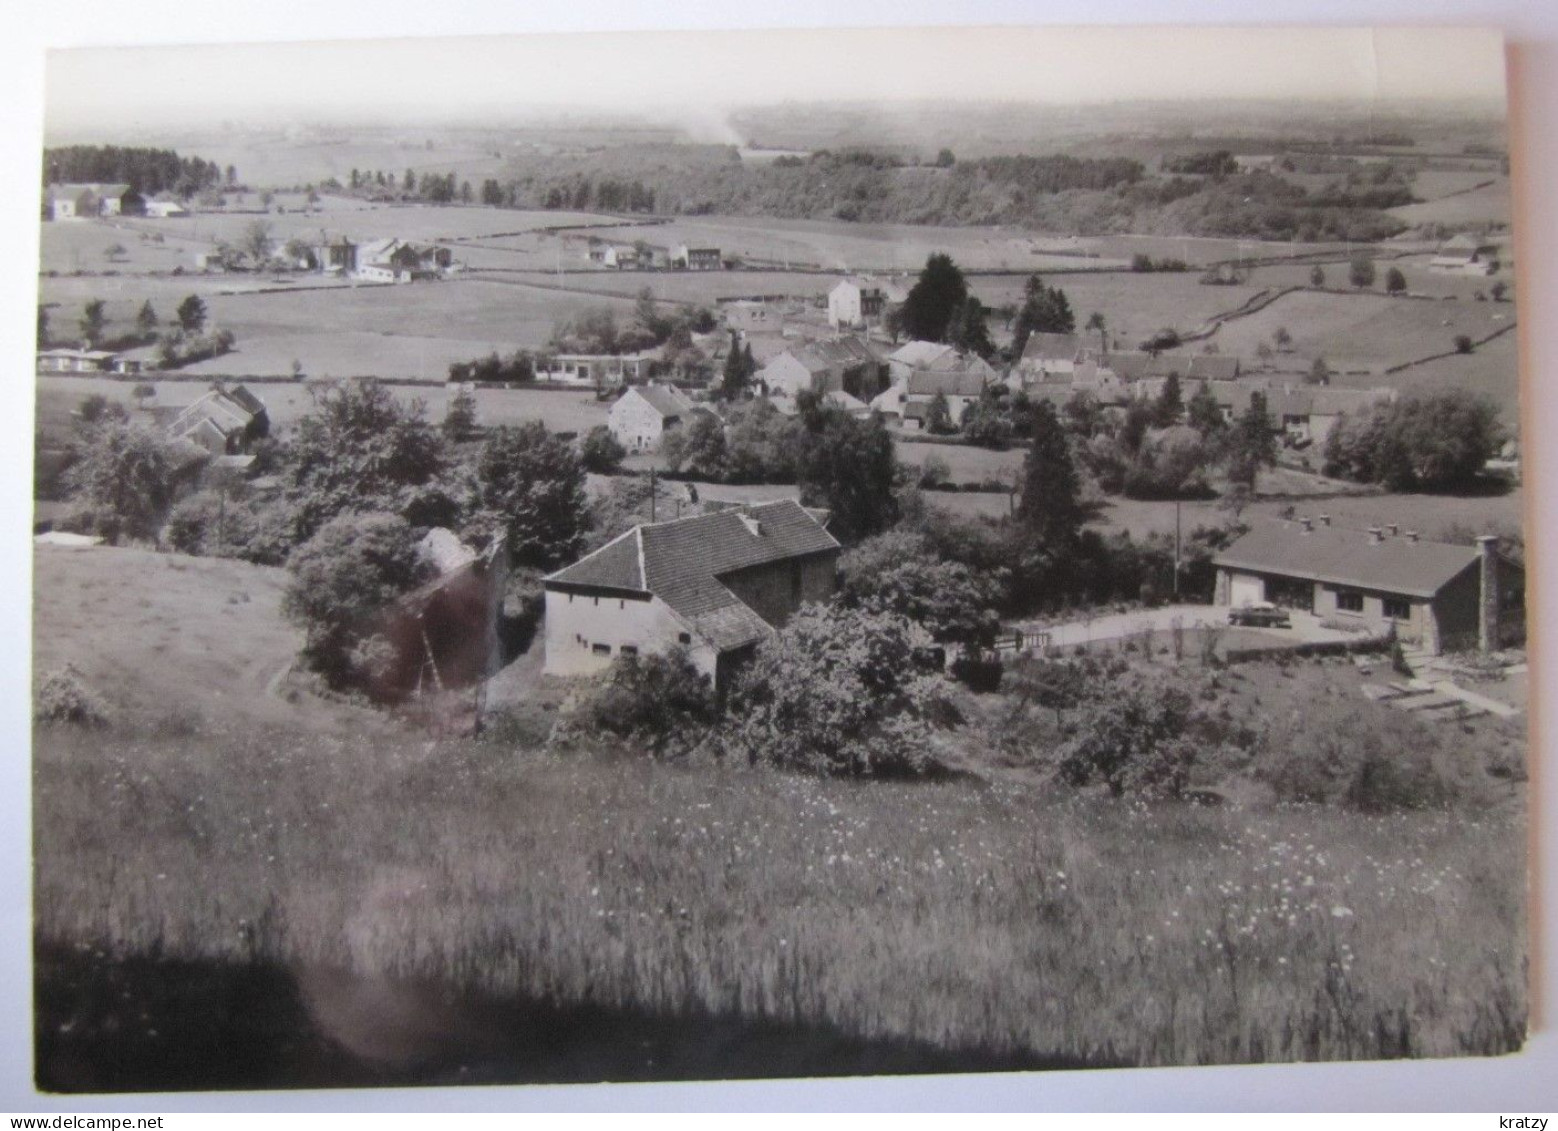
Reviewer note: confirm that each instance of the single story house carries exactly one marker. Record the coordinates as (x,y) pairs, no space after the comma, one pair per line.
(165,210)
(1466,254)
(1437,596)
(75,361)
(716,584)
(591,370)
(643,414)
(697,258)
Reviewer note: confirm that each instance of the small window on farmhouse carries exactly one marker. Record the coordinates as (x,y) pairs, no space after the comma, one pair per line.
(684,637)
(629,649)
(601,649)
(1398,608)
(1349,601)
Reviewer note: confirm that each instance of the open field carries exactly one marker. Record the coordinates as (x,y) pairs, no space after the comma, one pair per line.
(1135,305)
(561,411)
(1356,330)
(845,247)
(167,637)
(1479,207)
(965,463)
(1432,515)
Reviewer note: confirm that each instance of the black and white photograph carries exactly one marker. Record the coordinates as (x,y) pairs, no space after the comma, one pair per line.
(765,555)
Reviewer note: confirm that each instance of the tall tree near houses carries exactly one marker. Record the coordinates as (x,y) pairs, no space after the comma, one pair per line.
(1095,321)
(192,314)
(93,320)
(1050,509)
(735,381)
(1170,403)
(928,309)
(1251,444)
(1203,412)
(146,320)
(410,183)
(968,330)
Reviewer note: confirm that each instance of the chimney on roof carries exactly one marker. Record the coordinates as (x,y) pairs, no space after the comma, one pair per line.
(1307,524)
(754,527)
(1488,607)
(1376,535)
(1325,520)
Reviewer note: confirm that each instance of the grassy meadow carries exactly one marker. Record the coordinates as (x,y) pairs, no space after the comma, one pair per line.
(217,824)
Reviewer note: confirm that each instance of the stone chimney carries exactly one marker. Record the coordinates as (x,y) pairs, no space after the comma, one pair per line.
(1376,535)
(1488,605)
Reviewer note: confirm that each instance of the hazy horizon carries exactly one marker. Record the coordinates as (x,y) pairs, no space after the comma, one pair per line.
(508,79)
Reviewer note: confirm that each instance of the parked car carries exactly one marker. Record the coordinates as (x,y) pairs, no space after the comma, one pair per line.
(1260,616)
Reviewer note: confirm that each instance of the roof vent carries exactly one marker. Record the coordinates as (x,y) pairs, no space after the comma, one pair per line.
(754,527)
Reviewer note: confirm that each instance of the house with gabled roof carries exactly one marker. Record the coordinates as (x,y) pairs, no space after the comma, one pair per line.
(863,300)
(1049,357)
(715,584)
(643,414)
(76,201)
(1468,253)
(223,421)
(1435,595)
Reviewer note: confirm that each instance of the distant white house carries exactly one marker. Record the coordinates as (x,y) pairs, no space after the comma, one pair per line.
(1466,254)
(165,210)
(75,361)
(79,201)
(643,414)
(861,301)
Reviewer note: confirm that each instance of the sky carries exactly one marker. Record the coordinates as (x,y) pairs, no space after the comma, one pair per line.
(429,79)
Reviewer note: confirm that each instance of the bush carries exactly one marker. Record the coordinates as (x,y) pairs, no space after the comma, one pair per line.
(979,673)
(839,691)
(64,697)
(344,579)
(600,451)
(663,701)
(1377,763)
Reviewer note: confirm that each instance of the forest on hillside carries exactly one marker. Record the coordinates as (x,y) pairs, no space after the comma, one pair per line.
(1089,196)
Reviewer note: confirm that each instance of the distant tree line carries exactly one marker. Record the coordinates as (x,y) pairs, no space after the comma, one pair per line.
(143,169)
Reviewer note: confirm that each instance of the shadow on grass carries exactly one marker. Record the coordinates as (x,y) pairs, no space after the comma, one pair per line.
(144,1024)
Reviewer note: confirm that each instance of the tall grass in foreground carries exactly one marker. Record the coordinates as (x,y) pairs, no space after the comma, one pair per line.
(953,913)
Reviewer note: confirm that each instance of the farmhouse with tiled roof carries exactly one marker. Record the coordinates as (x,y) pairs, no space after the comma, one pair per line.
(715,584)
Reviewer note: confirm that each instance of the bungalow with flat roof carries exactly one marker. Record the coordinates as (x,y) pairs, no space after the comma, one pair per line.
(1435,595)
(715,584)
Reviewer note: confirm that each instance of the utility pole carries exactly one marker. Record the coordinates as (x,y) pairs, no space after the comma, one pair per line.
(653,491)
(1176,551)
